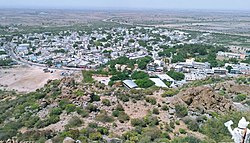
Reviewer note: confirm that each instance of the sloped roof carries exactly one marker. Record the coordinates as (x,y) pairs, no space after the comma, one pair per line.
(158,82)
(130,83)
(165,76)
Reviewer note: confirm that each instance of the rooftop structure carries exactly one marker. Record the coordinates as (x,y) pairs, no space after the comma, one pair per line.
(130,84)
(158,82)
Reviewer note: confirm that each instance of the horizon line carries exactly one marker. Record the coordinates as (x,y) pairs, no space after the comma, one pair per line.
(120,8)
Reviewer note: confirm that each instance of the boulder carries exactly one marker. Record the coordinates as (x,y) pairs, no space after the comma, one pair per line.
(68,140)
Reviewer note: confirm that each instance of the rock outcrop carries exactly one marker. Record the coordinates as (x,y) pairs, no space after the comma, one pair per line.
(68,140)
(204,100)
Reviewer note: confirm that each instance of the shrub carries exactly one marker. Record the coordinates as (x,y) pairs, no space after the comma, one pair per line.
(106,102)
(240,97)
(119,107)
(53,119)
(172,125)
(82,112)
(94,98)
(115,113)
(63,103)
(74,122)
(138,122)
(151,132)
(79,92)
(247,102)
(56,111)
(124,98)
(191,124)
(151,100)
(104,117)
(95,136)
(155,111)
(103,130)
(181,110)
(182,131)
(71,133)
(169,93)
(177,122)
(70,108)
(91,108)
(151,120)
(165,107)
(122,117)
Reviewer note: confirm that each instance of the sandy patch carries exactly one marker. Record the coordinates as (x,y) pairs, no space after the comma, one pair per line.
(26,79)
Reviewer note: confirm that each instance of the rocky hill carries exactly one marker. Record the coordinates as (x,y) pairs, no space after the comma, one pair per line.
(69,109)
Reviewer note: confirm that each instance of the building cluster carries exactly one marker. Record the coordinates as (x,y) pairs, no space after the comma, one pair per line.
(83,49)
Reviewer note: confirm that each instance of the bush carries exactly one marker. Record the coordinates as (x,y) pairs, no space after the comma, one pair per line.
(91,108)
(82,112)
(122,117)
(181,110)
(165,107)
(56,111)
(172,125)
(151,132)
(151,100)
(74,122)
(155,111)
(74,134)
(95,136)
(70,108)
(191,124)
(94,98)
(182,131)
(119,107)
(79,93)
(240,98)
(138,122)
(103,130)
(124,98)
(177,122)
(63,103)
(53,119)
(106,102)
(104,117)
(169,93)
(151,120)
(115,113)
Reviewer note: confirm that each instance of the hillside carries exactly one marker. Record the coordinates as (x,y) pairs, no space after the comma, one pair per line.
(94,112)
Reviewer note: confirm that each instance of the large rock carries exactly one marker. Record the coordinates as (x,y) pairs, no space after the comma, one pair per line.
(49,141)
(68,140)
(203,99)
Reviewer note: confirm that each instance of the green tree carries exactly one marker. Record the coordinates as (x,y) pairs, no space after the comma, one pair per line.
(144,83)
(176,75)
(139,75)
(229,68)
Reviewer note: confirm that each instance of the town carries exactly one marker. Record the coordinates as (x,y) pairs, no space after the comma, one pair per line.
(153,51)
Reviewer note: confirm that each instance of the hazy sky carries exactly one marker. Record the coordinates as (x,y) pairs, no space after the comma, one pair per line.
(149,4)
